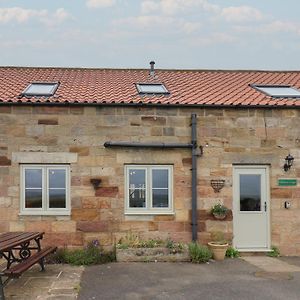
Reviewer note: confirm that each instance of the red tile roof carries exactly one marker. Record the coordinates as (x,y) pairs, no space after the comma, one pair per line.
(117,86)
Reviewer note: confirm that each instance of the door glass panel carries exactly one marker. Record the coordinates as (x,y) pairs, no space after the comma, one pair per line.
(250,192)
(137,188)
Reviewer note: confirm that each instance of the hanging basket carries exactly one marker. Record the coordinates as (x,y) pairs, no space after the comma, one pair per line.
(219,217)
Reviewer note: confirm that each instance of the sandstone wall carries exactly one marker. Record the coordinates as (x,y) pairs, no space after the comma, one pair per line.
(228,136)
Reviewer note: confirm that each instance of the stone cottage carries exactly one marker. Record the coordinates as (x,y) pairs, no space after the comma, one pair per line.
(97,153)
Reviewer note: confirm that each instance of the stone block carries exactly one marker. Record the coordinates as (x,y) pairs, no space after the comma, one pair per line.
(164,218)
(63,226)
(168,131)
(38,226)
(5,161)
(85,214)
(78,110)
(104,204)
(50,110)
(107,191)
(92,226)
(182,215)
(156,131)
(48,121)
(171,226)
(5,109)
(82,151)
(152,121)
(5,201)
(281,193)
(4,226)
(16,226)
(153,226)
(90,202)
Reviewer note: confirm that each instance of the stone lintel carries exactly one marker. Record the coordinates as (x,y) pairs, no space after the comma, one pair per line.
(44,157)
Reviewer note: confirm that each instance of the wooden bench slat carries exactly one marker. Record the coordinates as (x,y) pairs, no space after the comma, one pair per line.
(16,241)
(17,270)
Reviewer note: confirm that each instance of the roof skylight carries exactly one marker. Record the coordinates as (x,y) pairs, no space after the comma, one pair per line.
(151,88)
(40,89)
(278,91)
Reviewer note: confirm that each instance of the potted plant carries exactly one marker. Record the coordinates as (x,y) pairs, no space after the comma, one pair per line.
(218,245)
(219,211)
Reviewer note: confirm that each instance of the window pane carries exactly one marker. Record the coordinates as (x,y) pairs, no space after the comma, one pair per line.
(33,178)
(137,178)
(250,193)
(40,89)
(33,198)
(57,178)
(160,178)
(152,88)
(160,198)
(137,198)
(57,198)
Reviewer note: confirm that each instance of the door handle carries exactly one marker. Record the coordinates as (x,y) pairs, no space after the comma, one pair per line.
(265,206)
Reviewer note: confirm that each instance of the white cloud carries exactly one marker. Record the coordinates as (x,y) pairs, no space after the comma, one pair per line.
(99,3)
(22,15)
(241,14)
(154,23)
(145,21)
(214,38)
(273,27)
(191,27)
(172,7)
(281,26)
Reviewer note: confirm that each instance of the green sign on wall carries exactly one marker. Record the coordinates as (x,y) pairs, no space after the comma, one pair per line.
(287,182)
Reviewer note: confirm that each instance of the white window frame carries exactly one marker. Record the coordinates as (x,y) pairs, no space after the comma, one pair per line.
(45,210)
(148,209)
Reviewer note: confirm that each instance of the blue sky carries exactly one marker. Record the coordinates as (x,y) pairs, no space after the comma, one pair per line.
(177,34)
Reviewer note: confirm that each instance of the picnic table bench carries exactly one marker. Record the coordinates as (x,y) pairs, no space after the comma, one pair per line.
(21,250)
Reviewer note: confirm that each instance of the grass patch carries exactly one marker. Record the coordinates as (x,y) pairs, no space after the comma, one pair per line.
(199,253)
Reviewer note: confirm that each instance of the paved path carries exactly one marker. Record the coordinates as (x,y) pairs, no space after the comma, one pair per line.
(59,282)
(270,264)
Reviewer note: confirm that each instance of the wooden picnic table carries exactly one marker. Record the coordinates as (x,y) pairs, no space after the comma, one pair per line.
(21,250)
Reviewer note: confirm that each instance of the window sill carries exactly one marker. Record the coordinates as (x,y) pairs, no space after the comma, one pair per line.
(148,213)
(40,213)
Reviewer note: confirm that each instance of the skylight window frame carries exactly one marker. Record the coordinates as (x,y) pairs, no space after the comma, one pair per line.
(141,92)
(259,86)
(31,94)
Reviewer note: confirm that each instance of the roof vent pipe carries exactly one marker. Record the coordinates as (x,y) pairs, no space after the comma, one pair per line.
(152,72)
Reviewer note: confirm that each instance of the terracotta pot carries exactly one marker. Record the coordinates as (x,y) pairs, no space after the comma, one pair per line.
(218,250)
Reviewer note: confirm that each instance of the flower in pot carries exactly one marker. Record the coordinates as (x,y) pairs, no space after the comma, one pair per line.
(219,211)
(218,245)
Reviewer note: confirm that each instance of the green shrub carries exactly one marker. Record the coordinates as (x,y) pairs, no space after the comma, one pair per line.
(274,252)
(199,253)
(90,255)
(219,209)
(232,252)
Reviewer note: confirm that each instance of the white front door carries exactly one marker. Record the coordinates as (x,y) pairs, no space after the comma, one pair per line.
(251,208)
